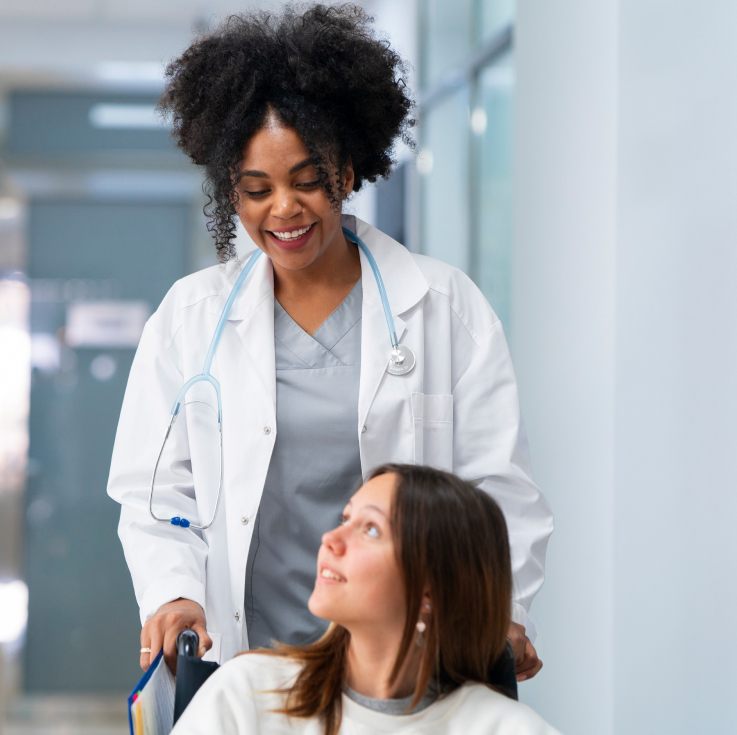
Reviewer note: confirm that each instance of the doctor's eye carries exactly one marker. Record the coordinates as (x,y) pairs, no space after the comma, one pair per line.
(372,530)
(344,519)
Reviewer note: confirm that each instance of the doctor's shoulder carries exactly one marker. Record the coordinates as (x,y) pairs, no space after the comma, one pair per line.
(463,296)
(202,288)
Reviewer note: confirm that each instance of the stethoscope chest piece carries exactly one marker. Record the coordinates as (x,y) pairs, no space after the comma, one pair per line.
(401,360)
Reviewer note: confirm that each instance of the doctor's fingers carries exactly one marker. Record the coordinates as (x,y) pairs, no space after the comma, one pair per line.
(205,640)
(518,640)
(525,675)
(151,638)
(531,664)
(171,633)
(170,646)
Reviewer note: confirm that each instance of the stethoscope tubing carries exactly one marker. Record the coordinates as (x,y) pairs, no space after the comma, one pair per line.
(205,375)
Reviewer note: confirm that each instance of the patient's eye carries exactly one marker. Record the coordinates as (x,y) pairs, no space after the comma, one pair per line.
(372,530)
(344,519)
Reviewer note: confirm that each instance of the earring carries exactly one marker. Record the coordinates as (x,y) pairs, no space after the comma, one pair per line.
(421,628)
(427,606)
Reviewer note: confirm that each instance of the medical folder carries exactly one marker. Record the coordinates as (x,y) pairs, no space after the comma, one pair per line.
(151,703)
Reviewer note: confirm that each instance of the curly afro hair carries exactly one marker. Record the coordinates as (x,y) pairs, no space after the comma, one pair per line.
(319,69)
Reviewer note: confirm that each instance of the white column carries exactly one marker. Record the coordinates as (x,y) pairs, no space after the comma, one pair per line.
(676,363)
(564,337)
(625,342)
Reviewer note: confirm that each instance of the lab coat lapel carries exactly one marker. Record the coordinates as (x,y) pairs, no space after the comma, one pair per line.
(375,346)
(245,366)
(252,316)
(405,286)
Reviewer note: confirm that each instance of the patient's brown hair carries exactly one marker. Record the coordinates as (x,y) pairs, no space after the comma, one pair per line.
(450,537)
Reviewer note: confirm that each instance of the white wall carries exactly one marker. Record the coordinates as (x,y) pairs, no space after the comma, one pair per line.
(625,313)
(563,349)
(676,420)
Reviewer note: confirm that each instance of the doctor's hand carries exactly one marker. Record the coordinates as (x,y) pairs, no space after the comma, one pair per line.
(162,629)
(525,655)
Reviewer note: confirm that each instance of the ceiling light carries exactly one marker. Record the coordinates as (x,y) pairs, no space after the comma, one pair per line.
(125,117)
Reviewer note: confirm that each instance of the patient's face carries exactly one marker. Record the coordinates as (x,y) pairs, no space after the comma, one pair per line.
(359,584)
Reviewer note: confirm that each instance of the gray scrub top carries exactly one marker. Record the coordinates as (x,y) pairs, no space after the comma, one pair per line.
(315,467)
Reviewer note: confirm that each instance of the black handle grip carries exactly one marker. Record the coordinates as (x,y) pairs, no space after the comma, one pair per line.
(192,672)
(187,643)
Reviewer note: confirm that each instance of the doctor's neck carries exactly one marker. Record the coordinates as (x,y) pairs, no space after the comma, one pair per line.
(336,267)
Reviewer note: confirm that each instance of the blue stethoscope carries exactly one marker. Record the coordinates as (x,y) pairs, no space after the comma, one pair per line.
(401,361)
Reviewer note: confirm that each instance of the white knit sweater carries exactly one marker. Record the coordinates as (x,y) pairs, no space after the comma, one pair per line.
(239,699)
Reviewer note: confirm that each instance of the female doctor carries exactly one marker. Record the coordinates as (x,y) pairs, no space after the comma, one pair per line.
(327,351)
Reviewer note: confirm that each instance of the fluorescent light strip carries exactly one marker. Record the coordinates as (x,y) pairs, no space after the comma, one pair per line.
(125,117)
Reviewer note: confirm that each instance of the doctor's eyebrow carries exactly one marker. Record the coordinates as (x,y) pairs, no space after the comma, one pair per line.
(263,175)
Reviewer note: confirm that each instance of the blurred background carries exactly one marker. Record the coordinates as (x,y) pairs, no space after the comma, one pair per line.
(577,159)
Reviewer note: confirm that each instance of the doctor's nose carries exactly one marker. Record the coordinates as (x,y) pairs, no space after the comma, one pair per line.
(286,205)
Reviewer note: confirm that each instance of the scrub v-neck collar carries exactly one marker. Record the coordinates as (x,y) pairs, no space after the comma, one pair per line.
(315,350)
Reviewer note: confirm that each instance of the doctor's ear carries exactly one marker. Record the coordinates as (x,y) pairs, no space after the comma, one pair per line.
(347,178)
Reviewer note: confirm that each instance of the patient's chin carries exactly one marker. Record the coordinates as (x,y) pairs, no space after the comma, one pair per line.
(316,605)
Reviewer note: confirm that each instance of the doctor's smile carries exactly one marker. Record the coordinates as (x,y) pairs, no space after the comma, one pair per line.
(292,239)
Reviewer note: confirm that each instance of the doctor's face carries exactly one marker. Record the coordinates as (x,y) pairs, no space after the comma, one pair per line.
(280,202)
(359,584)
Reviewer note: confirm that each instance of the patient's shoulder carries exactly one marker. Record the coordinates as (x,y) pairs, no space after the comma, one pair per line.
(243,696)
(500,714)
(263,671)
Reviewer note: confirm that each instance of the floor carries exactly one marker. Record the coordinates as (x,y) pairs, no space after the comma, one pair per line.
(58,714)
(66,715)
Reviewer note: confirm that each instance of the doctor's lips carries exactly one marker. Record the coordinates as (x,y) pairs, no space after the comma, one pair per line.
(330,575)
(291,238)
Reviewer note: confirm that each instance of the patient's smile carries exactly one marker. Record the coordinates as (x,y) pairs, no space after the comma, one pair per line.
(326,573)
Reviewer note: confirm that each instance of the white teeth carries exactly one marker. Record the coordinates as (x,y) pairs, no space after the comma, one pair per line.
(290,235)
(330,575)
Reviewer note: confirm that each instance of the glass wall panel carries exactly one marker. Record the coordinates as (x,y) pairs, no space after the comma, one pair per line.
(492,226)
(448,37)
(494,14)
(443,166)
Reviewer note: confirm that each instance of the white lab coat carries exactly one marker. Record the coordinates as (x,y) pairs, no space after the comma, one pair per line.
(457,410)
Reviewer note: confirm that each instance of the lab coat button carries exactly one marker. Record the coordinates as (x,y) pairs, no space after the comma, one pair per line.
(363,431)
(237,616)
(244,521)
(267,430)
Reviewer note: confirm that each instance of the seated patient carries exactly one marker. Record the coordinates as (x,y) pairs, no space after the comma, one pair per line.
(416,582)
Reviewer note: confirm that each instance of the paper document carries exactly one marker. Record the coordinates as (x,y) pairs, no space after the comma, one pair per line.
(151,703)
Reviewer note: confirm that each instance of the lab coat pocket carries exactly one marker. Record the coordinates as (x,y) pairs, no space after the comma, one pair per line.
(433,427)
(214,653)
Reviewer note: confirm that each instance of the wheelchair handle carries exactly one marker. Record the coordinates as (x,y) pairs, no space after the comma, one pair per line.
(187,643)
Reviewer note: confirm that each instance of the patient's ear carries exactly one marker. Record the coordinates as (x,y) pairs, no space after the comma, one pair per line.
(426,604)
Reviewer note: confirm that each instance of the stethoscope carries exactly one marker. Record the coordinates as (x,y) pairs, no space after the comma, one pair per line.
(401,361)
